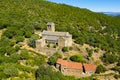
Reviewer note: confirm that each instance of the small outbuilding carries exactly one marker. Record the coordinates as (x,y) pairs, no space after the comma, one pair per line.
(69,67)
(89,68)
(75,68)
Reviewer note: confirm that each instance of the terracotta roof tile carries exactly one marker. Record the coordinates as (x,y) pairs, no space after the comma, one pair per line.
(89,67)
(62,62)
(75,65)
(69,64)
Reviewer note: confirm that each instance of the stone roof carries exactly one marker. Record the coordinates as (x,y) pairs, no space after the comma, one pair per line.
(69,64)
(53,38)
(89,67)
(50,33)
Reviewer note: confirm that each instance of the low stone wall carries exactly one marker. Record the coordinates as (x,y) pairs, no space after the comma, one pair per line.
(48,51)
(72,72)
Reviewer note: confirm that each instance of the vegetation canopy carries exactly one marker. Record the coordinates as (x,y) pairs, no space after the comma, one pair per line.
(20,20)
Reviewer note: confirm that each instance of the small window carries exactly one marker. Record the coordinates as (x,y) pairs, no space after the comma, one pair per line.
(49,26)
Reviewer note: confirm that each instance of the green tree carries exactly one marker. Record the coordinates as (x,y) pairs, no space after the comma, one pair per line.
(10,32)
(10,50)
(110,58)
(10,70)
(65,49)
(19,39)
(118,64)
(28,34)
(13,58)
(17,48)
(77,58)
(89,51)
(46,72)
(39,60)
(100,69)
(24,54)
(117,76)
(32,42)
(52,60)
(2,50)
(48,45)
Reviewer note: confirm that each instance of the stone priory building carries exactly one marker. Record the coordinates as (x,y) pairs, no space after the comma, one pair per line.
(50,36)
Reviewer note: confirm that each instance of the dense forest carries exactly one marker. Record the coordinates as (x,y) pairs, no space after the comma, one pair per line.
(19,19)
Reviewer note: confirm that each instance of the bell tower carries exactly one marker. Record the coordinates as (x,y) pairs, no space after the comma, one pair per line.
(51,26)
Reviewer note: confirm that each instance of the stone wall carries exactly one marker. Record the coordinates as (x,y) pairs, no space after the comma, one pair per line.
(40,43)
(48,51)
(61,42)
(89,72)
(72,72)
(69,71)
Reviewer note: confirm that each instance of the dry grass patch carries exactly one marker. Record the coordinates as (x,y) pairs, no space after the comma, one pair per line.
(0,33)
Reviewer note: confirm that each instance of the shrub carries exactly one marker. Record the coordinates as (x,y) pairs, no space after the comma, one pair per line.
(24,55)
(10,50)
(70,48)
(28,34)
(14,58)
(52,60)
(57,54)
(10,70)
(2,75)
(2,50)
(3,25)
(77,58)
(23,76)
(30,62)
(19,39)
(118,64)
(46,73)
(31,42)
(116,68)
(88,78)
(54,46)
(39,60)
(8,33)
(96,50)
(17,48)
(48,45)
(4,42)
(89,51)
(110,58)
(117,76)
(100,69)
(65,49)
(25,68)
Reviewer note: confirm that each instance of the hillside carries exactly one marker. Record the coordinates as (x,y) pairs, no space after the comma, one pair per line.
(21,19)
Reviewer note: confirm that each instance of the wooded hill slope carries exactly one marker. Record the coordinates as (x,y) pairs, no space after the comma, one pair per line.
(86,27)
(19,19)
